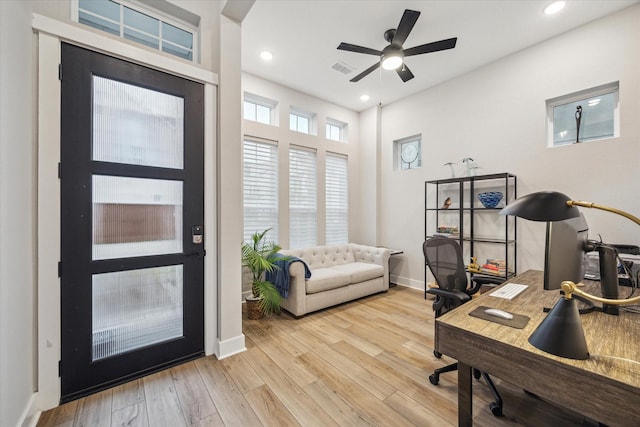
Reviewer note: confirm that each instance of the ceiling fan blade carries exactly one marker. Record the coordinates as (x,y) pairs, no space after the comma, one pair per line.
(409,18)
(405,73)
(365,72)
(359,49)
(431,47)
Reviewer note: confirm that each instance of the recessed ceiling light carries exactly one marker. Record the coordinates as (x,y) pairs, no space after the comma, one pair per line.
(364,98)
(266,55)
(554,7)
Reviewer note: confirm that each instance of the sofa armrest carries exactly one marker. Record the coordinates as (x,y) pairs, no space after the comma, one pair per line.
(373,255)
(296,302)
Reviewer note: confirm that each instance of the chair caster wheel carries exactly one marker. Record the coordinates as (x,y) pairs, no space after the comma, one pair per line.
(476,374)
(496,409)
(437,354)
(434,379)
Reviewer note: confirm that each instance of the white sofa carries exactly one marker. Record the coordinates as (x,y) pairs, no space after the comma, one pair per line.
(339,274)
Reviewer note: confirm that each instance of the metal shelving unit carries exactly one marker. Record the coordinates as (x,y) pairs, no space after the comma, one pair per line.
(467,213)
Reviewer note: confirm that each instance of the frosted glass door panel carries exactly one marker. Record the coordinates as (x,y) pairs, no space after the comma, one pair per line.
(137,126)
(136,217)
(134,309)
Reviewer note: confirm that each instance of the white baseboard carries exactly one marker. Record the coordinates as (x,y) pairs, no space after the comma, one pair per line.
(407,282)
(230,347)
(30,414)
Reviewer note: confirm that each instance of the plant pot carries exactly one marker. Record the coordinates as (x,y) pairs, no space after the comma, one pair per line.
(254,312)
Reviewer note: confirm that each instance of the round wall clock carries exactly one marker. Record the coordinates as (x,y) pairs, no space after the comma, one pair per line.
(409,153)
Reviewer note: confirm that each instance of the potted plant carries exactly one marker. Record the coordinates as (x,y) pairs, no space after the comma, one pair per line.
(259,256)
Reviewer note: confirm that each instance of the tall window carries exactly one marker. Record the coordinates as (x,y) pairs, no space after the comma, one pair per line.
(303,208)
(337,200)
(260,188)
(134,23)
(259,109)
(589,115)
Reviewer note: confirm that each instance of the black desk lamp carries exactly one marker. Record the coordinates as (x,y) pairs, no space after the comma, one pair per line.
(561,332)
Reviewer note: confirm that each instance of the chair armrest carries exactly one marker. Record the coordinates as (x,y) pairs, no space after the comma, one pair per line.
(478,281)
(455,296)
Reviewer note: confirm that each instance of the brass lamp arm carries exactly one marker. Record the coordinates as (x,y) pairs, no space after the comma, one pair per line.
(604,208)
(568,287)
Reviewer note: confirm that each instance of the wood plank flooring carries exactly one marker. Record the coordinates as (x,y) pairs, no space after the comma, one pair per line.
(364,363)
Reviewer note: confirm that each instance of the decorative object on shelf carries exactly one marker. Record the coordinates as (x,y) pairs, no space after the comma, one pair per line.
(448,231)
(467,161)
(453,171)
(490,199)
(473,169)
(473,266)
(446,203)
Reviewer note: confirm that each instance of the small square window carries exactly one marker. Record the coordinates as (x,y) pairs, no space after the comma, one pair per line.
(259,109)
(589,115)
(336,130)
(303,122)
(408,153)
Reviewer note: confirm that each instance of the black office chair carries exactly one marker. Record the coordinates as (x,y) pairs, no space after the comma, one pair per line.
(444,258)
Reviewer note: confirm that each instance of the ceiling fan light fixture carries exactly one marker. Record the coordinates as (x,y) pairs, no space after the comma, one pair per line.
(392,60)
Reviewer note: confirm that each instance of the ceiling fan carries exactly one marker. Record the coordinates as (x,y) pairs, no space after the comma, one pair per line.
(392,56)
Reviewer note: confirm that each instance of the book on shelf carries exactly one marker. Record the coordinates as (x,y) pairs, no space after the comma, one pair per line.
(494,266)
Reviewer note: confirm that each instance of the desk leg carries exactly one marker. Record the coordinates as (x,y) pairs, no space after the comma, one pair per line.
(465,395)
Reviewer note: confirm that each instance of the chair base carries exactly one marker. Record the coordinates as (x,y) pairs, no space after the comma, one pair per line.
(495,407)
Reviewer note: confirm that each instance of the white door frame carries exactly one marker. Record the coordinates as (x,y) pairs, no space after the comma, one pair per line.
(51,33)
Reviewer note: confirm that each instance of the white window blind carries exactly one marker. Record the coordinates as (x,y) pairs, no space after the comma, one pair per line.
(337,201)
(303,211)
(260,189)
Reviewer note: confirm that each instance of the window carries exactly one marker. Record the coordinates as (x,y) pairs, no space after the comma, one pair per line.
(260,188)
(139,25)
(594,110)
(259,109)
(298,123)
(302,121)
(336,131)
(337,201)
(303,213)
(408,153)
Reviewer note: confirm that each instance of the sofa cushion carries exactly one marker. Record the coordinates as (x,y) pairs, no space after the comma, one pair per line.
(323,279)
(361,271)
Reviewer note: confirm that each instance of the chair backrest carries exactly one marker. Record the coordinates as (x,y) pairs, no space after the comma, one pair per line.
(444,258)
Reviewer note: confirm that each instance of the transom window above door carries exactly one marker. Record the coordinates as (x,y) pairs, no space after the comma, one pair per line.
(139,24)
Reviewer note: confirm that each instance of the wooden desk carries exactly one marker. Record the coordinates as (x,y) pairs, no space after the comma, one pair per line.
(602,388)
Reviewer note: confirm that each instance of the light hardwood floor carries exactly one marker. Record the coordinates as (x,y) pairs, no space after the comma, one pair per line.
(364,363)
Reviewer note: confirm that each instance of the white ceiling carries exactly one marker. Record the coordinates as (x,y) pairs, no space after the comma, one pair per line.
(303,36)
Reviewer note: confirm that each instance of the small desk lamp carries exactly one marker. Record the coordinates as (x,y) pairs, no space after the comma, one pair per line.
(561,332)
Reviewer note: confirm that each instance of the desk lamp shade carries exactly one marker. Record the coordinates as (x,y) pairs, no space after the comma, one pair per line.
(542,206)
(561,333)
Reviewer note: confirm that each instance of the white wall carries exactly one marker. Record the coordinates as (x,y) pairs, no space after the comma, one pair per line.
(497,116)
(17,214)
(19,371)
(286,98)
